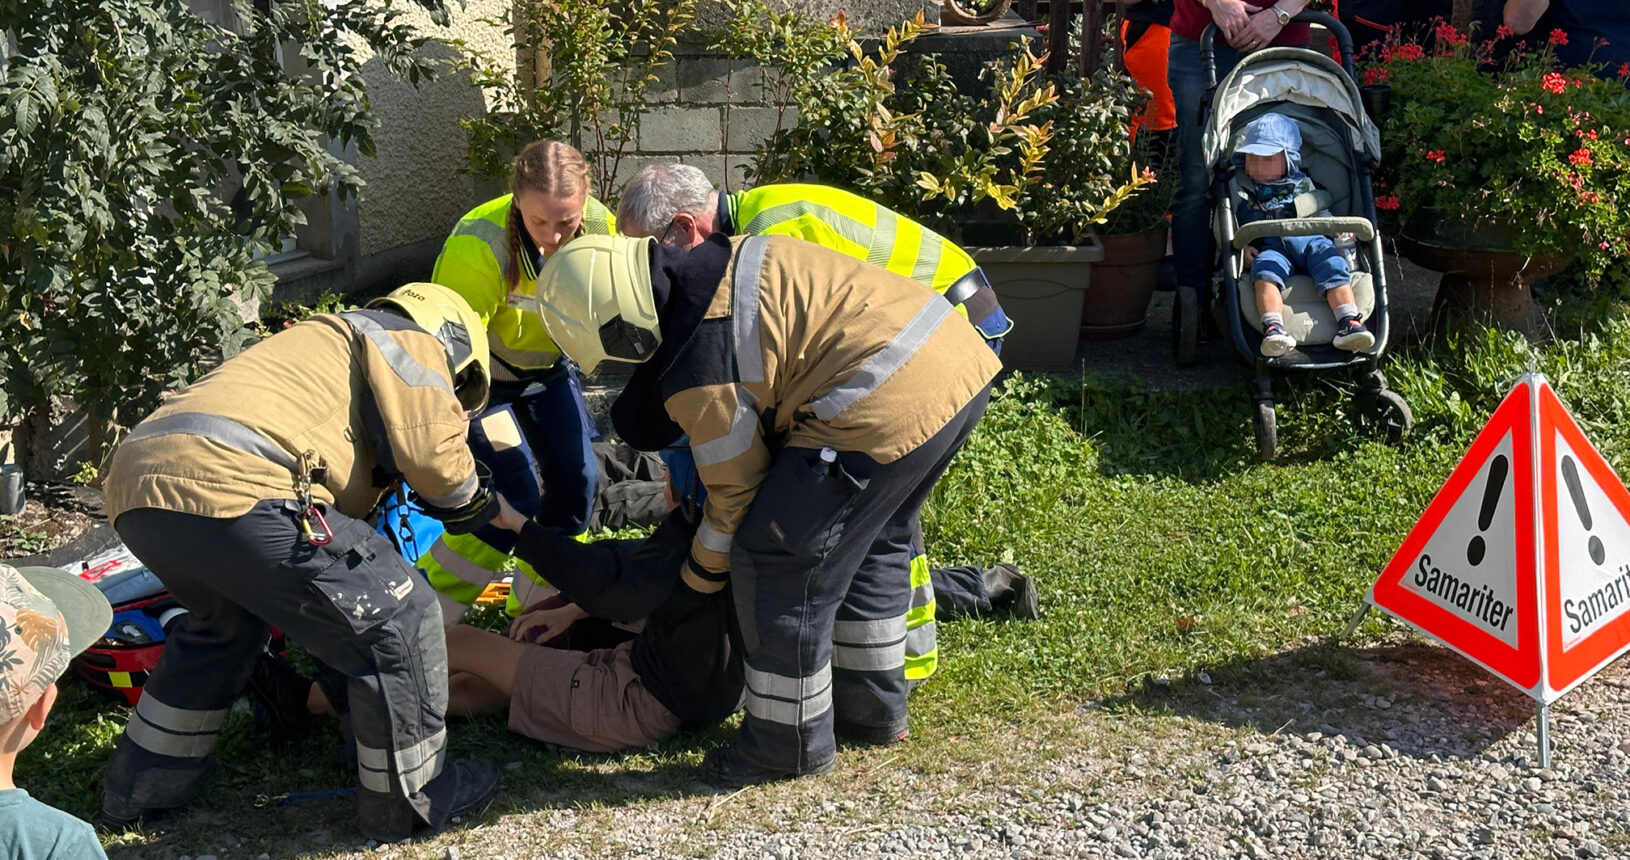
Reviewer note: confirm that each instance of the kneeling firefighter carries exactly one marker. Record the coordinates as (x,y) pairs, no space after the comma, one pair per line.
(243,493)
(823,397)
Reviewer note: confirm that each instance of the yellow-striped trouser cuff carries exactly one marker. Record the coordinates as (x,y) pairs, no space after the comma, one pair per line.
(922,650)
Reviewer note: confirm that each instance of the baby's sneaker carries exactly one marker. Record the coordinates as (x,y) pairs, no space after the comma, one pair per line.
(1275,341)
(1352,336)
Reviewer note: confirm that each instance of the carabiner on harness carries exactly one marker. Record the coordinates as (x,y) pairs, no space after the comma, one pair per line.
(322,535)
(311,470)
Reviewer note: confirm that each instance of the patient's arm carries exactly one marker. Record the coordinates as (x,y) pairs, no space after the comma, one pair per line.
(618,580)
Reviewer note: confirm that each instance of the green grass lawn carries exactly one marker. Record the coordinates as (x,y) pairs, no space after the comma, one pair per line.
(1162,544)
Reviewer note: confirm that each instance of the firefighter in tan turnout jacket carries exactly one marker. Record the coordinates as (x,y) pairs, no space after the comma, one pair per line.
(244,494)
(823,397)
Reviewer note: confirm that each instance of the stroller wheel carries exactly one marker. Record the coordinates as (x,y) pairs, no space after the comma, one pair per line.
(1384,413)
(1186,326)
(1267,430)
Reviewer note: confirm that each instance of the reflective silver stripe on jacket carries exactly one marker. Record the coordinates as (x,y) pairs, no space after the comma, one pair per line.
(232,434)
(886,361)
(406,366)
(880,248)
(171,731)
(495,235)
(743,430)
(869,646)
(788,700)
(745,311)
(459,495)
(928,258)
(462,569)
(712,539)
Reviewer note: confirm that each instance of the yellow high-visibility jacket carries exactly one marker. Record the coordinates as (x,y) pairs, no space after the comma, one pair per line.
(473,263)
(852,225)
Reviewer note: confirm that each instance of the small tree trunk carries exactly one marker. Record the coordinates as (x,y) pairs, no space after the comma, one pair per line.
(1461,16)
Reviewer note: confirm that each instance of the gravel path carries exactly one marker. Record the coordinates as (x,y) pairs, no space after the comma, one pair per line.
(1397,750)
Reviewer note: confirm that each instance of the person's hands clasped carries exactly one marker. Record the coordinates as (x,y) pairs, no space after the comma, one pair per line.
(1258,32)
(1231,16)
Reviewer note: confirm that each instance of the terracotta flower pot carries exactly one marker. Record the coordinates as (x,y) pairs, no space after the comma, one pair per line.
(1123,284)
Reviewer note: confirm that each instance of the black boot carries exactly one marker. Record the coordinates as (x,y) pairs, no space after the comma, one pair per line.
(462,788)
(1006,585)
(727,767)
(278,694)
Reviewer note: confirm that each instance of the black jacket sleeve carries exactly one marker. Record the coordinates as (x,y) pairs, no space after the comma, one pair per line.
(618,580)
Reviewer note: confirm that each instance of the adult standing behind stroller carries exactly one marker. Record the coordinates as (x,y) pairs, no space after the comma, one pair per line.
(243,493)
(1269,184)
(1246,25)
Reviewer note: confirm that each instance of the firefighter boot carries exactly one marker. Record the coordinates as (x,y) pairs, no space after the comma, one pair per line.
(1006,585)
(462,788)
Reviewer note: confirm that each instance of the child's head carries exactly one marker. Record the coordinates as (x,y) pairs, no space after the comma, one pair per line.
(1272,143)
(46,617)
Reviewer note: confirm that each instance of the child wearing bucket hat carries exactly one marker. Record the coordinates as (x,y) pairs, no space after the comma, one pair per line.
(46,617)
(1268,181)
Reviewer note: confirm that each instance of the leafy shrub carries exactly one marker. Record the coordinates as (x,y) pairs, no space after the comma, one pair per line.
(600,60)
(1051,150)
(144,154)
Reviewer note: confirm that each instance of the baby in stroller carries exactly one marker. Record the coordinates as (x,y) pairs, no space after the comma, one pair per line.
(1269,183)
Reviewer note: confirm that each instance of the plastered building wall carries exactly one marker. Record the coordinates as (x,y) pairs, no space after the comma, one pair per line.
(414,193)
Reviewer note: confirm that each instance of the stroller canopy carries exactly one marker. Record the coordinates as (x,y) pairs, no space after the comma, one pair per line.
(1279,76)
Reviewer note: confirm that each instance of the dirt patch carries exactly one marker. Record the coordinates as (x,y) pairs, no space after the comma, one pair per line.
(54,516)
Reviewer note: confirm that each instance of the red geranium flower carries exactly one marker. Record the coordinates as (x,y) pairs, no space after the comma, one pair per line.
(1558,37)
(1580,156)
(1377,75)
(1387,202)
(1503,32)
(1435,155)
(1554,82)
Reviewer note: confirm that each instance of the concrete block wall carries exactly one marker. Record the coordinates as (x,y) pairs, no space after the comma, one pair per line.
(708,111)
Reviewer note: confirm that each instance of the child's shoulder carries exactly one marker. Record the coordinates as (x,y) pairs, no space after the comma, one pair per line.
(31,829)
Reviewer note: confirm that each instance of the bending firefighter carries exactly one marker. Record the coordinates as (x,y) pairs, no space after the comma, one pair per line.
(676,204)
(244,492)
(538,414)
(823,397)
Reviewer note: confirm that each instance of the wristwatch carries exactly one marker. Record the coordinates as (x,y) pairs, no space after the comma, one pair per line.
(1283,16)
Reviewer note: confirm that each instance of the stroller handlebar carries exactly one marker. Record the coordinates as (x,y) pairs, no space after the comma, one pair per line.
(1344,42)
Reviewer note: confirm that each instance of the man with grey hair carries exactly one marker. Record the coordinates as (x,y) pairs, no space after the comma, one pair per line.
(678,205)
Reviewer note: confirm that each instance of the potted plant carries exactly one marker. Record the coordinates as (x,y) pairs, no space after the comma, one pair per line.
(1134,239)
(1497,171)
(1022,171)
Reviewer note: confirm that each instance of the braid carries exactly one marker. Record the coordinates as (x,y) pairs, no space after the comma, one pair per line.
(512,264)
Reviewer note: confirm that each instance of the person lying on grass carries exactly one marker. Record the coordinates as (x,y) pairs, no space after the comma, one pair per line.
(680,673)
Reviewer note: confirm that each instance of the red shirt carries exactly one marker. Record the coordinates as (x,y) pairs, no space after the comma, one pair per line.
(1189,20)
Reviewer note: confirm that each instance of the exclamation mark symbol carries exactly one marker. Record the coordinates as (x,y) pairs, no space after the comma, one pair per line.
(1570,476)
(1498,467)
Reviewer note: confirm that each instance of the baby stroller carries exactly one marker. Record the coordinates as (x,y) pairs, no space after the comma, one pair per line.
(1339,147)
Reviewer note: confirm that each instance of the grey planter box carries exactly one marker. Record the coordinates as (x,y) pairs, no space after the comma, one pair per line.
(1041,289)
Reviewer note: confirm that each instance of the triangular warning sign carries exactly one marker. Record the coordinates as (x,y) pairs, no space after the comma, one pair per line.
(1532,518)
(1465,575)
(1586,525)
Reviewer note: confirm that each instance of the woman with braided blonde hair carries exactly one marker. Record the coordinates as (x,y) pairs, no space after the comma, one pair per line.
(492,259)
